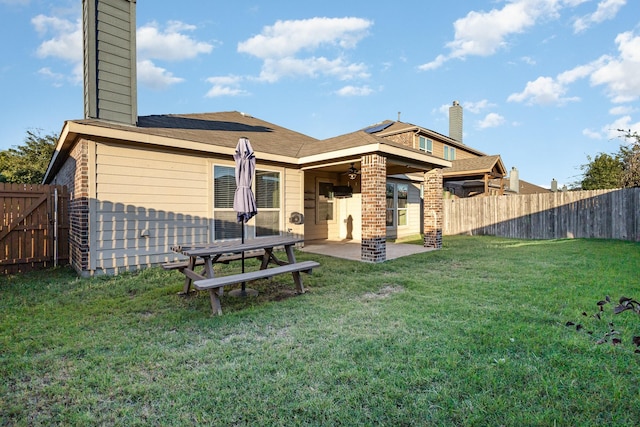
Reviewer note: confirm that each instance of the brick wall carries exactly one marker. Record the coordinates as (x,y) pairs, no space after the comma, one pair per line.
(75,175)
(433,209)
(374,211)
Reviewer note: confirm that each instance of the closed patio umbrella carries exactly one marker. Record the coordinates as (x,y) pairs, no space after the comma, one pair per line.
(244,201)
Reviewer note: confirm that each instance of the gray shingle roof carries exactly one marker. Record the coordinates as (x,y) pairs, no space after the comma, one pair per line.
(220,129)
(483,164)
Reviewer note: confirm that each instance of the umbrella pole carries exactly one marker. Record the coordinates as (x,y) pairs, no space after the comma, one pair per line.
(243,292)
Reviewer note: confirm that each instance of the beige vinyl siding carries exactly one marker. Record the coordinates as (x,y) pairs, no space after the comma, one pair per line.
(313,230)
(293,199)
(145,202)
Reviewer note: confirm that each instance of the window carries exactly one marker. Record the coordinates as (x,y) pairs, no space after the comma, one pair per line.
(390,204)
(266,188)
(426,144)
(225,220)
(267,191)
(402,194)
(449,153)
(325,202)
(397,204)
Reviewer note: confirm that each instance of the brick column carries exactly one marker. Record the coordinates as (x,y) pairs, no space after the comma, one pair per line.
(374,210)
(433,209)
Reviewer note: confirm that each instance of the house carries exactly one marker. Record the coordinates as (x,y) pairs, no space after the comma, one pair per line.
(140,185)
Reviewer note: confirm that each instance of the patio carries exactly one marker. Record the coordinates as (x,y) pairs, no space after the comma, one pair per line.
(350,249)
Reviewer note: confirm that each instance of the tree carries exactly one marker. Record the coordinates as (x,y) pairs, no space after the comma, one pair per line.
(27,164)
(603,172)
(630,156)
(621,170)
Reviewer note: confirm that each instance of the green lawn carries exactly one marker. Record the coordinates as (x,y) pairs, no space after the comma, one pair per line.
(473,334)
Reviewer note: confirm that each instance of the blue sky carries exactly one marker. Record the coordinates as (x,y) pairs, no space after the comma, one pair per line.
(543,83)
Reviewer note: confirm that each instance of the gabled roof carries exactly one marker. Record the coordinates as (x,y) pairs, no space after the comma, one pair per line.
(218,133)
(221,129)
(475,166)
(525,187)
(355,144)
(390,127)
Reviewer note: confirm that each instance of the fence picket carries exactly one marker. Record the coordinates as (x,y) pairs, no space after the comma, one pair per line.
(602,214)
(26,233)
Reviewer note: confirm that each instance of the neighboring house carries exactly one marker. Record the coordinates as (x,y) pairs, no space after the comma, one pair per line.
(516,186)
(472,173)
(476,176)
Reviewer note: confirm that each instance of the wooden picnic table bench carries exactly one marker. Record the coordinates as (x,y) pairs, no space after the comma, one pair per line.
(207,255)
(215,283)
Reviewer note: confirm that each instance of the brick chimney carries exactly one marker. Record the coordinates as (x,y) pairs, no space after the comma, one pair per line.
(455,121)
(109,42)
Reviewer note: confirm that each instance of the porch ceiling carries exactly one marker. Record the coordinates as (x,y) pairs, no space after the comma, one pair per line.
(394,166)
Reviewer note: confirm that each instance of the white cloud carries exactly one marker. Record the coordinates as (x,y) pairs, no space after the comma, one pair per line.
(491,120)
(484,33)
(621,110)
(155,77)
(543,91)
(355,91)
(528,60)
(624,123)
(607,9)
(476,107)
(436,63)
(620,75)
(286,38)
(282,48)
(225,86)
(591,134)
(65,43)
(275,69)
(612,130)
(171,44)
(56,78)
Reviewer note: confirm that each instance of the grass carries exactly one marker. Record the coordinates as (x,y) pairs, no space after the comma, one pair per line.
(473,334)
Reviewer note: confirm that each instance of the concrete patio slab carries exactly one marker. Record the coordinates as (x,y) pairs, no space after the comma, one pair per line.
(350,249)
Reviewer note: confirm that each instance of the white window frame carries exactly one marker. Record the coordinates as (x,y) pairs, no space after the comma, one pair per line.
(428,144)
(449,153)
(250,226)
(395,209)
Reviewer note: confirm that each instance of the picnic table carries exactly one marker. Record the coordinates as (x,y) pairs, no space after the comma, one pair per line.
(206,255)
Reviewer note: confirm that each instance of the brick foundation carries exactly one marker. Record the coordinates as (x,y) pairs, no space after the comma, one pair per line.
(374,210)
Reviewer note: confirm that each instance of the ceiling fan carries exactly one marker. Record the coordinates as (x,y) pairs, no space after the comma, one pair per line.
(352,172)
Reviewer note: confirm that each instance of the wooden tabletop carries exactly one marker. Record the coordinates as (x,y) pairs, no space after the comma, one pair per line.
(236,246)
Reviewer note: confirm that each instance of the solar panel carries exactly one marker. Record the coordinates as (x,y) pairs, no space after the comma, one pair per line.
(377,128)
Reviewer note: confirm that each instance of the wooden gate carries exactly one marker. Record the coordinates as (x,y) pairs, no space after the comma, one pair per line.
(34,227)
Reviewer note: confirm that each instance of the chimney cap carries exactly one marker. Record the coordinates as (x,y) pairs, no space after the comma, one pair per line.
(456,103)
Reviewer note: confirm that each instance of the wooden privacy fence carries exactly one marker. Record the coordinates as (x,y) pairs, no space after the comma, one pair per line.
(601,214)
(34,227)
